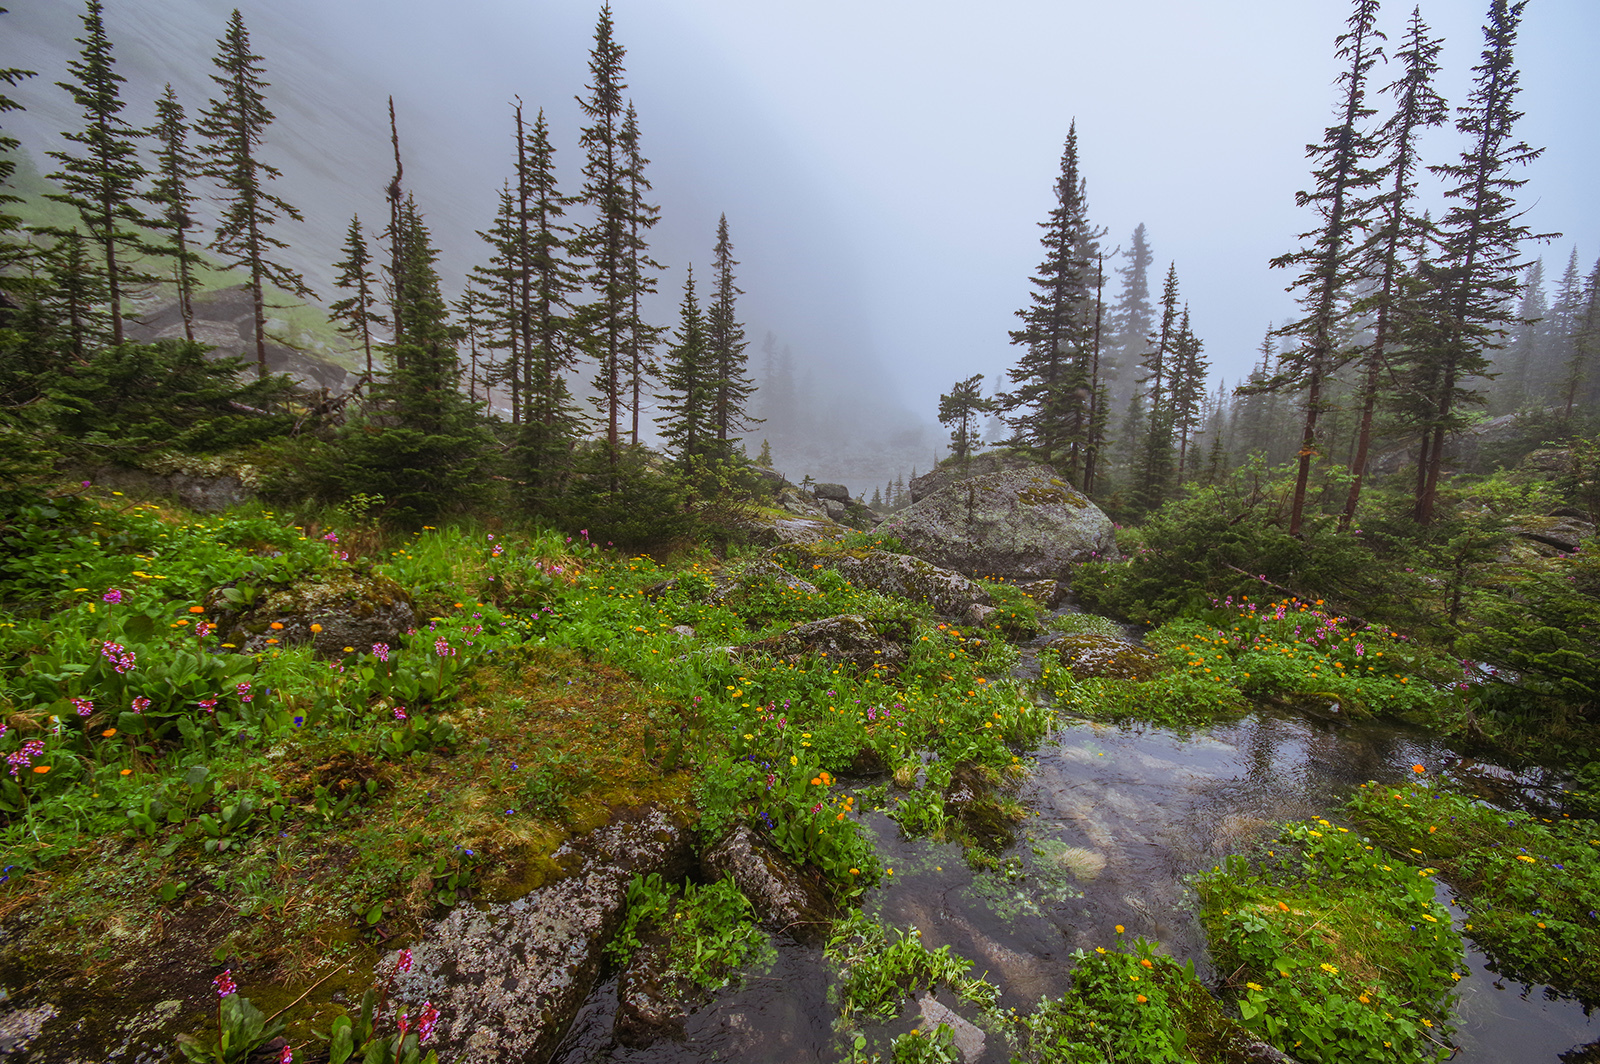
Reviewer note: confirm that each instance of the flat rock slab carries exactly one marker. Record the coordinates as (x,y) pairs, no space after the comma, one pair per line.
(508,978)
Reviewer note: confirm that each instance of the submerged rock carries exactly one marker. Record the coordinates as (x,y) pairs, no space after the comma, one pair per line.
(787,899)
(1018,520)
(967,1036)
(508,978)
(653,1000)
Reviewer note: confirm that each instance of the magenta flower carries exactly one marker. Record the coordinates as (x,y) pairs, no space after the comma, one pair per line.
(442,647)
(111,595)
(426,1021)
(380,651)
(225,984)
(402,962)
(84,706)
(244,692)
(287,1056)
(399,713)
(208,704)
(141,704)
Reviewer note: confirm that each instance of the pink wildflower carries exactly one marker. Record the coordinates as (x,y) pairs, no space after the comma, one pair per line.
(224,983)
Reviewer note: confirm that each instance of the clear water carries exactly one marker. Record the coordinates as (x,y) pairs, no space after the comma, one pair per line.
(1120,818)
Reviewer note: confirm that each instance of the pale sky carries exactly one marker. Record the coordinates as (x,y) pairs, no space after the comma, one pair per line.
(884,164)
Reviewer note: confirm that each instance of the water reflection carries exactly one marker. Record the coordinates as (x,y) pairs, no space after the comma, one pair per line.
(1121,818)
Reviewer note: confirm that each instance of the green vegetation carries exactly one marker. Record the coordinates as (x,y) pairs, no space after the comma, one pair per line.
(1335,950)
(1529,882)
(710,930)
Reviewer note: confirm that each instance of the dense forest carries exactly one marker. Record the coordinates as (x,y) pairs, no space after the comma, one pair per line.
(480,569)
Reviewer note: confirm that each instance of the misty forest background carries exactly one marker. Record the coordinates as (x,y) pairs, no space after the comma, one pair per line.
(542,378)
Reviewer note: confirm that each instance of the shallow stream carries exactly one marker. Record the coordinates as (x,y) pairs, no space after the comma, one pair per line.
(1119,819)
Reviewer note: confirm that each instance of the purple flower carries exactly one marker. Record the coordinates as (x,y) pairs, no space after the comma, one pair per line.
(426,1021)
(225,984)
(111,595)
(244,692)
(84,706)
(287,1056)
(208,704)
(141,704)
(380,651)
(399,713)
(402,962)
(442,647)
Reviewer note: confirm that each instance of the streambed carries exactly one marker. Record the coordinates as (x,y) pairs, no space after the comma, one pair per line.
(1120,817)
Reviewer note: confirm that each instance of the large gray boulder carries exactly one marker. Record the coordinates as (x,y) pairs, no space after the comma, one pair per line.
(1017,520)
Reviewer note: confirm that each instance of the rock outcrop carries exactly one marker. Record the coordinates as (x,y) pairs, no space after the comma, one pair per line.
(1088,654)
(507,979)
(847,639)
(787,899)
(341,610)
(884,571)
(1016,520)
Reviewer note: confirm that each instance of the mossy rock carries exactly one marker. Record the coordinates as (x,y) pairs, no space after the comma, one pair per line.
(341,611)
(1088,655)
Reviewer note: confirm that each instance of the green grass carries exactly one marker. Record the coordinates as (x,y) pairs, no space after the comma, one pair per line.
(1530,883)
(1333,950)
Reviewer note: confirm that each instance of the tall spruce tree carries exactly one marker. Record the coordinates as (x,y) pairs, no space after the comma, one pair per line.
(688,419)
(1154,473)
(1189,379)
(1050,409)
(176,167)
(419,444)
(605,243)
(1392,241)
(1580,378)
(1343,172)
(234,126)
(1480,238)
(1131,317)
(102,182)
(641,337)
(357,311)
(726,345)
(503,282)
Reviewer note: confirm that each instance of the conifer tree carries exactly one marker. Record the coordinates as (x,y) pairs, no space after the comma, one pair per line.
(726,345)
(502,281)
(9,223)
(1153,477)
(358,311)
(1050,410)
(234,124)
(101,184)
(605,242)
(1519,368)
(1480,237)
(420,444)
(1189,372)
(1584,353)
(960,408)
(553,423)
(1566,310)
(176,166)
(1131,317)
(641,338)
(1417,108)
(1343,172)
(688,419)
(469,328)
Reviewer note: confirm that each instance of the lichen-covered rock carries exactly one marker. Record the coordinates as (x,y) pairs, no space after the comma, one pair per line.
(1089,654)
(948,593)
(349,609)
(847,639)
(1017,522)
(508,978)
(200,492)
(794,901)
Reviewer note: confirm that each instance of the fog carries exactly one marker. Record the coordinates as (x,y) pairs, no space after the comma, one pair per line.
(883,165)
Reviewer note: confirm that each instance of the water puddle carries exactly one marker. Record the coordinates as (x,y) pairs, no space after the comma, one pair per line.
(1120,818)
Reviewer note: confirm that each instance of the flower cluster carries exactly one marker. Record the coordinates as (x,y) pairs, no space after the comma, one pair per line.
(380,651)
(84,706)
(225,984)
(20,759)
(121,658)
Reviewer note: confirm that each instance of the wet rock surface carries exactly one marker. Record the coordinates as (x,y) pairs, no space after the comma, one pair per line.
(653,1002)
(787,899)
(508,978)
(1016,520)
